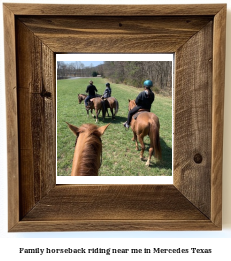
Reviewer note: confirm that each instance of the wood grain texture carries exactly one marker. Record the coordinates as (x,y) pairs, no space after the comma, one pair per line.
(193,126)
(114,225)
(195,33)
(12,114)
(108,202)
(218,114)
(114,34)
(108,207)
(36,105)
(115,10)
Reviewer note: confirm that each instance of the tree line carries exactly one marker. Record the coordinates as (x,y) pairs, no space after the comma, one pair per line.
(132,73)
(74,69)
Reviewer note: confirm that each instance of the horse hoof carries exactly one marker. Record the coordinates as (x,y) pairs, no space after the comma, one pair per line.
(147,164)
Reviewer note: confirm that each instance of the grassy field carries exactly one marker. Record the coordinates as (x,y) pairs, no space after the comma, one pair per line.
(119,154)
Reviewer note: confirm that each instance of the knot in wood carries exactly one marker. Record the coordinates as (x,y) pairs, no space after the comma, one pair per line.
(198,158)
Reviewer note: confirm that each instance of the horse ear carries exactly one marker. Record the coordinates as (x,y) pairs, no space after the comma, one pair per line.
(73,128)
(129,100)
(103,128)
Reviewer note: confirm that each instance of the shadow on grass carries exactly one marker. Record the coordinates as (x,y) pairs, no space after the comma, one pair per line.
(116,120)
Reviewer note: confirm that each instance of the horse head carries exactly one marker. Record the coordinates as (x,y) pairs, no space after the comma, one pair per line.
(131,104)
(81,97)
(88,149)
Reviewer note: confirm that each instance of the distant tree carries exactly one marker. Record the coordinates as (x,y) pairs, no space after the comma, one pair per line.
(94,74)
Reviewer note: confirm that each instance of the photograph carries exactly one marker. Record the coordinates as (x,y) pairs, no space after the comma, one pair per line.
(114,118)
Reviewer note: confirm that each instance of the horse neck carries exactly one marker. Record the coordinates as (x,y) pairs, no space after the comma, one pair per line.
(132,105)
(86,161)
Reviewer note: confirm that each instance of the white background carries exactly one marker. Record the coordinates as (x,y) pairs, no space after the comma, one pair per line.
(219,241)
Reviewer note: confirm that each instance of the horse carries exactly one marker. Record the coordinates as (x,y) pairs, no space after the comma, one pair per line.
(146,123)
(110,103)
(88,149)
(81,97)
(95,104)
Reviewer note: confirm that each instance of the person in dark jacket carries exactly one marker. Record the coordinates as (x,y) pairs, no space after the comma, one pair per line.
(143,101)
(91,90)
(107,92)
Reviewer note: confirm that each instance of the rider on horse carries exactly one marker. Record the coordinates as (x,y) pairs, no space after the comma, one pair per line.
(143,101)
(107,92)
(91,89)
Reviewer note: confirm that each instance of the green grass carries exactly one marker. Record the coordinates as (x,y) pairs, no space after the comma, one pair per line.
(119,154)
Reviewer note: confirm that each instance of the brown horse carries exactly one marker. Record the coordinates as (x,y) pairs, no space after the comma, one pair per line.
(81,97)
(110,103)
(88,149)
(95,104)
(147,123)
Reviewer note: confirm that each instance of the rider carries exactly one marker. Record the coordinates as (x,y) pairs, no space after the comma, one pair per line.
(91,89)
(143,101)
(107,92)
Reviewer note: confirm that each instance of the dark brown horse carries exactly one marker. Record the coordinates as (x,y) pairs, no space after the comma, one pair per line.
(81,97)
(110,103)
(88,149)
(147,123)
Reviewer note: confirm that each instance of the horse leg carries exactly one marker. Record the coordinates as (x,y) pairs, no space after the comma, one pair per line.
(140,138)
(97,114)
(135,139)
(149,156)
(87,113)
(112,115)
(92,113)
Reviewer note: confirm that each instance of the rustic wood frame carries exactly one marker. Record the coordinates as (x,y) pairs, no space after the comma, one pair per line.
(33,34)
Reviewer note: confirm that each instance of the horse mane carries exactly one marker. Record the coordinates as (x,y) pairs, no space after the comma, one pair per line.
(89,164)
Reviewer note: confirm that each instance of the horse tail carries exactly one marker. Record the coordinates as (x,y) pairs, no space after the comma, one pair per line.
(155,138)
(117,106)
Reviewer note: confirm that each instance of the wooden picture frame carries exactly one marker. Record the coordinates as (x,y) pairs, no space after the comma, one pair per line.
(33,34)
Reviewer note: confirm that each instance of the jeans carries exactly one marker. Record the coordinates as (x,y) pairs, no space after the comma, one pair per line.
(88,99)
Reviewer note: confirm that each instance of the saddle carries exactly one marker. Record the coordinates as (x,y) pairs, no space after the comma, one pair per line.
(139,112)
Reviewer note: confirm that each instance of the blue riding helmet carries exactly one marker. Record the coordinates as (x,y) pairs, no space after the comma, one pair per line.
(148,83)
